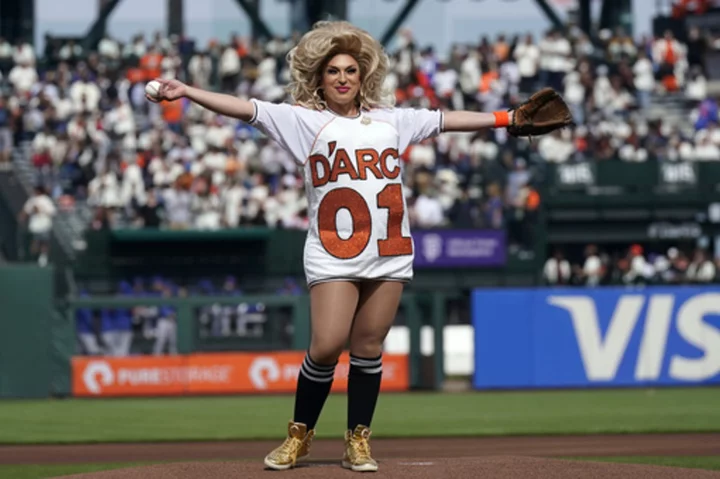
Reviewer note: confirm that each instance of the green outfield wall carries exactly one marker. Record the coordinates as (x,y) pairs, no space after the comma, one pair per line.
(26,331)
(38,339)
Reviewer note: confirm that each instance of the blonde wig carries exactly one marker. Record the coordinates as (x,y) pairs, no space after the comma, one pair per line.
(317,47)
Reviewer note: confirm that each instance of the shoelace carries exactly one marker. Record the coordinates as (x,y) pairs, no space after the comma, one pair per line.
(361,448)
(291,444)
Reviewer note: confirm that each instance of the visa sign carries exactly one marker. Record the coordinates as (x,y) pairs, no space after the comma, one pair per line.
(596,337)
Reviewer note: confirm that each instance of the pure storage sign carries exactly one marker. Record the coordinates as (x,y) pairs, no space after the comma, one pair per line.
(238,373)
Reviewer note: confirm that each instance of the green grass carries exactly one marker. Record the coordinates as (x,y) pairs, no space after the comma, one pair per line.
(54,470)
(398,415)
(711,463)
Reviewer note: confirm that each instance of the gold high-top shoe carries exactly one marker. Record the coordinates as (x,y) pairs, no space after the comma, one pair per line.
(357,451)
(296,447)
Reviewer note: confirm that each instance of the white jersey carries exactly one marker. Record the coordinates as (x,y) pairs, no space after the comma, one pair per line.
(359,227)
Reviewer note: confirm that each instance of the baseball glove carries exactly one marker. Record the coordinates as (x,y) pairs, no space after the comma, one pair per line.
(542,113)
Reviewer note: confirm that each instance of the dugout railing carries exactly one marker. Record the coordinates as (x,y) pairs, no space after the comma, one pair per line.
(418,309)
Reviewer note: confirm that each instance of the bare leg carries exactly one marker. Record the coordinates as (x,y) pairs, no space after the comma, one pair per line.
(332,307)
(379,303)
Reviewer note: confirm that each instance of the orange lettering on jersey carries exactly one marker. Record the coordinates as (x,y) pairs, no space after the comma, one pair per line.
(389,153)
(342,165)
(331,147)
(367,159)
(318,180)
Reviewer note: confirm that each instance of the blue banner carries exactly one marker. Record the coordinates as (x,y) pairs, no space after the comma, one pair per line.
(459,248)
(545,338)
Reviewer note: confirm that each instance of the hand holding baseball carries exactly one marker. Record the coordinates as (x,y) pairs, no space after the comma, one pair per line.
(161,89)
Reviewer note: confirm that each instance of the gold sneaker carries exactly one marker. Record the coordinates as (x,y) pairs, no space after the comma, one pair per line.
(296,447)
(357,451)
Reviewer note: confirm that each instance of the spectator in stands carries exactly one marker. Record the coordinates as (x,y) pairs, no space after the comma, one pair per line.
(465,212)
(290,287)
(592,272)
(696,88)
(640,270)
(701,269)
(177,203)
(118,337)
(200,70)
(427,211)
(697,47)
(6,57)
(557,270)
(85,328)
(644,81)
(670,57)
(166,329)
(527,56)
(149,214)
(555,59)
(23,76)
(38,212)
(494,208)
(706,114)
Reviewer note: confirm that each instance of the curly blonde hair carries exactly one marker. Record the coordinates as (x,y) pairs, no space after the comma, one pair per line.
(317,47)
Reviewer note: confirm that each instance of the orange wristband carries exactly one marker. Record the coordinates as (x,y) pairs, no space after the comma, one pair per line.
(502,119)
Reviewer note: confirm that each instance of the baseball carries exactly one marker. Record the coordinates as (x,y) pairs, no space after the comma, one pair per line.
(152,89)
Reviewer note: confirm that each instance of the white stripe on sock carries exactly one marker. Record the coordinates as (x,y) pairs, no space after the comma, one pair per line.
(365,363)
(367,366)
(313,373)
(314,378)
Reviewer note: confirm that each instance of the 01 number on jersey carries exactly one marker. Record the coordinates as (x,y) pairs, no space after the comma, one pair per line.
(389,198)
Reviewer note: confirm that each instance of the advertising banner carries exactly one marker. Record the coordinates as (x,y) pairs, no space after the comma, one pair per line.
(607,337)
(212,373)
(570,175)
(459,248)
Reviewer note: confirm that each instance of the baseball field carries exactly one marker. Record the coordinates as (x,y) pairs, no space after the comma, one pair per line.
(588,433)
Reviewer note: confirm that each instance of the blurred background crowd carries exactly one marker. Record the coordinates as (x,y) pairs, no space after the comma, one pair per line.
(629,266)
(96,144)
(96,141)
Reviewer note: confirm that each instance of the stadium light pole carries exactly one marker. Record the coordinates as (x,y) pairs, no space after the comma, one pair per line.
(97,29)
(551,14)
(175,17)
(260,28)
(397,21)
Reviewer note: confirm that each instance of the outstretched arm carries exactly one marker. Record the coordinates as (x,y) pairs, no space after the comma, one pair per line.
(474,121)
(542,113)
(220,103)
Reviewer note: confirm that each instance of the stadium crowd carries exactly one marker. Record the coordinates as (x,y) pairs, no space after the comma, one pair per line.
(634,265)
(95,140)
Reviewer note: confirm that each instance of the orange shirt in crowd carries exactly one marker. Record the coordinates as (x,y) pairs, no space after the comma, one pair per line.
(502,51)
(172,111)
(150,64)
(487,79)
(533,200)
(670,56)
(241,49)
(136,75)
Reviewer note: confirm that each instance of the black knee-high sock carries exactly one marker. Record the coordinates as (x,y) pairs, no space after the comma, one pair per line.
(363,390)
(314,383)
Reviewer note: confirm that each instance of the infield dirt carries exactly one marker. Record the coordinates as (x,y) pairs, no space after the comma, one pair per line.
(525,457)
